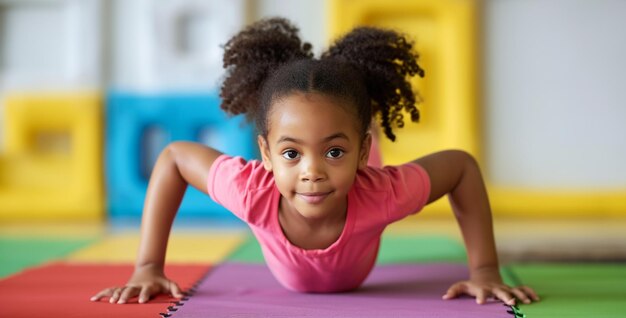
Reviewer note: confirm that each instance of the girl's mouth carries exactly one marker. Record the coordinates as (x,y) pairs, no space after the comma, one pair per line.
(313,197)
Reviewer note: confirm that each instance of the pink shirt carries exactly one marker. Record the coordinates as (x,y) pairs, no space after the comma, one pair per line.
(378,197)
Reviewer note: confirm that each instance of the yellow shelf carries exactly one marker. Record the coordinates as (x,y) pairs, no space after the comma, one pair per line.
(52,165)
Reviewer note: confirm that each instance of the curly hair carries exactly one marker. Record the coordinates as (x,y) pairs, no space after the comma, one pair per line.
(368,67)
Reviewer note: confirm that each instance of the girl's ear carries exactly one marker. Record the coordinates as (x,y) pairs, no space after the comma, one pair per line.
(265,152)
(364,154)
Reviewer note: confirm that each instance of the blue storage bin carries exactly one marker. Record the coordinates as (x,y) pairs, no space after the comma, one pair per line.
(140,126)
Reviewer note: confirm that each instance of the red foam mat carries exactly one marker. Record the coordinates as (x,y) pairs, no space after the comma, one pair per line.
(63,290)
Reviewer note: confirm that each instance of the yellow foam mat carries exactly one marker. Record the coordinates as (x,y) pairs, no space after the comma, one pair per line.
(182,248)
(67,230)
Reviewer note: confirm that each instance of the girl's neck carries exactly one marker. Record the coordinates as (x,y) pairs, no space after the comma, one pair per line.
(309,233)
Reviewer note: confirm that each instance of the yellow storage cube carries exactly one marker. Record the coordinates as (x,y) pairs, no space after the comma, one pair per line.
(51,168)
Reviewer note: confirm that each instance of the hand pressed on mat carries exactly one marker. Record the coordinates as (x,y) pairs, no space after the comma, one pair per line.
(487,283)
(146,282)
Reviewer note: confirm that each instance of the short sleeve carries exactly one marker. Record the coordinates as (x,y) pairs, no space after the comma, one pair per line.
(410,188)
(229,182)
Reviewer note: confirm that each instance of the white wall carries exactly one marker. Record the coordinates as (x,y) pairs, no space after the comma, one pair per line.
(171,45)
(308,15)
(555,78)
(50,44)
(133,60)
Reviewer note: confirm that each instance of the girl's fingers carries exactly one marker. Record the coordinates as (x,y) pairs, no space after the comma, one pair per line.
(530,292)
(116,295)
(454,291)
(505,296)
(521,295)
(146,293)
(481,296)
(104,293)
(482,292)
(175,290)
(127,293)
(122,295)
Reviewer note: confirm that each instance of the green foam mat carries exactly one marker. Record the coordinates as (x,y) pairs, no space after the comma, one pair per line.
(419,249)
(574,290)
(394,249)
(17,254)
(248,252)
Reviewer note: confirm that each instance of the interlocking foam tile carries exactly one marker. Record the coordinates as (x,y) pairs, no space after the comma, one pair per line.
(182,248)
(415,249)
(574,290)
(394,249)
(65,229)
(250,290)
(19,253)
(248,252)
(62,290)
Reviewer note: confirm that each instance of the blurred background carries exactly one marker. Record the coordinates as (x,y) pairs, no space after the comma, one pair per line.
(92,90)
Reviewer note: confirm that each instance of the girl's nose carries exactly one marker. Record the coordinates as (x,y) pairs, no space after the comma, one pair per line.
(313,171)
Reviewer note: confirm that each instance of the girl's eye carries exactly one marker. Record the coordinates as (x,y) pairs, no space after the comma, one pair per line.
(290,154)
(334,153)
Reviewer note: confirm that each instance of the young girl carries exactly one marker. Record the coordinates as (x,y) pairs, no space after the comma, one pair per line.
(316,207)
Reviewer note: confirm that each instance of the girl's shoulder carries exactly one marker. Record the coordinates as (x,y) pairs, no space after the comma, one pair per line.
(242,186)
(398,190)
(246,174)
(382,178)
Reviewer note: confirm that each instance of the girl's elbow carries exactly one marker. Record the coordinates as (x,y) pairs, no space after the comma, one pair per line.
(175,150)
(462,157)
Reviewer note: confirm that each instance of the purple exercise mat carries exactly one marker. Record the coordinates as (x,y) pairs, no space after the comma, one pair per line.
(410,290)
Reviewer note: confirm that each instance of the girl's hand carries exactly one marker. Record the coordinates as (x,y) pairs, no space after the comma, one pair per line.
(145,282)
(482,289)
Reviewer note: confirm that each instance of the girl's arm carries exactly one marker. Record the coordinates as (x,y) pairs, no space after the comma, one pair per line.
(457,174)
(179,164)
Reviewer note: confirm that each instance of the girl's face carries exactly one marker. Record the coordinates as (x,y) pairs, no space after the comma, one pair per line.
(314,150)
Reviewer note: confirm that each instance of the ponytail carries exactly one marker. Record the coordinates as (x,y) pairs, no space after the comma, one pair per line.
(386,59)
(251,56)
